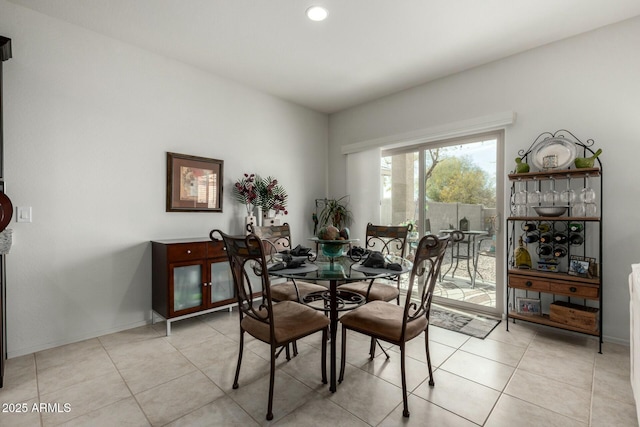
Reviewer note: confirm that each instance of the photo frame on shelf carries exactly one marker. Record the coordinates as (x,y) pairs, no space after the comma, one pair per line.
(593,267)
(579,266)
(194,184)
(529,306)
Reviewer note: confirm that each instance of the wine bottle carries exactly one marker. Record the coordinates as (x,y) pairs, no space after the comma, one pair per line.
(576,239)
(545,250)
(529,226)
(546,238)
(560,238)
(576,227)
(544,227)
(560,252)
(523,259)
(531,238)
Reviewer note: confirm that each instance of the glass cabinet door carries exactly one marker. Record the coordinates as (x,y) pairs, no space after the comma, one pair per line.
(221,282)
(187,287)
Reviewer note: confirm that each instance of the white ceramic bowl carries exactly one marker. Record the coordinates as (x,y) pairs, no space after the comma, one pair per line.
(550,210)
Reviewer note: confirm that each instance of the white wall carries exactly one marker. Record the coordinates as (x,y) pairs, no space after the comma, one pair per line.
(88,121)
(363,188)
(587,84)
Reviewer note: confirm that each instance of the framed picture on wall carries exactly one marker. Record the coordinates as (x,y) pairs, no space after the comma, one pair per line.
(194,184)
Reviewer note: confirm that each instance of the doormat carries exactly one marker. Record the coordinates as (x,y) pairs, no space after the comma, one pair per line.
(465,323)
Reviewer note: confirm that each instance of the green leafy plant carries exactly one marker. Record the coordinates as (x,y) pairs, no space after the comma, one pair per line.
(271,195)
(244,191)
(336,212)
(252,190)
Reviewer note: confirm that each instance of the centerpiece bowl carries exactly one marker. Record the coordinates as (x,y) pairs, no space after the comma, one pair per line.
(333,248)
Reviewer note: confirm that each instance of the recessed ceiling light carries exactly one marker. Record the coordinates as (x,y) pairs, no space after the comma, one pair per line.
(317,13)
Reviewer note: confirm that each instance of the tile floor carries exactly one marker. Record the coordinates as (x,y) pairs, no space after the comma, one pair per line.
(530,376)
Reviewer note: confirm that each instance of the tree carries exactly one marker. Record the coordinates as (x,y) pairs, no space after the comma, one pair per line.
(458,179)
(435,159)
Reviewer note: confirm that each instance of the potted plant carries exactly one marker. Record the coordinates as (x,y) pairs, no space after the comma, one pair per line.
(244,192)
(271,196)
(337,213)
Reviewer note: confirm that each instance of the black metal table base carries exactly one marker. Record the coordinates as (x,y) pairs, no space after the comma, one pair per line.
(345,300)
(334,301)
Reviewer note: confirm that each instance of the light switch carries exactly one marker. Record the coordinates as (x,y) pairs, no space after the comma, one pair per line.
(23,214)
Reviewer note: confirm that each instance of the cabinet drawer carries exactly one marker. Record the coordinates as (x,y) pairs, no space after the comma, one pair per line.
(573,289)
(187,251)
(216,250)
(529,283)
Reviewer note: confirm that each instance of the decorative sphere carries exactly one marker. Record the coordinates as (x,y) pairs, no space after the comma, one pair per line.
(329,233)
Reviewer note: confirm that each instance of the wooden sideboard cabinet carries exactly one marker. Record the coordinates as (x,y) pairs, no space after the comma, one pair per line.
(190,277)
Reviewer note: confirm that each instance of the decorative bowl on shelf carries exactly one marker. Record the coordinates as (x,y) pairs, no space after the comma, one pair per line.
(550,210)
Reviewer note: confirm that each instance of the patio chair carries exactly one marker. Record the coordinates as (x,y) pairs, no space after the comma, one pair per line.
(486,248)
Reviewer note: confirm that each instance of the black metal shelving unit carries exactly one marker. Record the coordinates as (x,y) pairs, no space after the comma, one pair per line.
(557,285)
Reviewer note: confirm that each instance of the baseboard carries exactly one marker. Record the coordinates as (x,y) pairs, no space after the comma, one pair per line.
(47,346)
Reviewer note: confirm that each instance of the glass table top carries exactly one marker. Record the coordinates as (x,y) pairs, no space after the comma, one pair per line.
(343,268)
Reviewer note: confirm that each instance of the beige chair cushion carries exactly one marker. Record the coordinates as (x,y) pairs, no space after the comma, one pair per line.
(287,292)
(379,291)
(383,320)
(292,321)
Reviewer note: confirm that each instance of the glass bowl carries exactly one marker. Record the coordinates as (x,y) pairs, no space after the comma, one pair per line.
(333,249)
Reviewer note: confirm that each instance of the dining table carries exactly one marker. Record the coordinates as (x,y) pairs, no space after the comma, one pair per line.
(333,271)
(470,256)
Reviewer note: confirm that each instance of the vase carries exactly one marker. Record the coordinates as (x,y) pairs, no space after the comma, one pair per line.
(250,220)
(271,220)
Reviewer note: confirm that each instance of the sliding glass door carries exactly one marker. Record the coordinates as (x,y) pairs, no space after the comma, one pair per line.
(447,185)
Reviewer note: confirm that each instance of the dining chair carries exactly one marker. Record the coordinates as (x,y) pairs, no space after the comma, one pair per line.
(277,238)
(397,324)
(389,240)
(274,323)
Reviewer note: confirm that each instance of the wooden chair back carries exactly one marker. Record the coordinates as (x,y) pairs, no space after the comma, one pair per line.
(249,269)
(429,254)
(388,239)
(277,238)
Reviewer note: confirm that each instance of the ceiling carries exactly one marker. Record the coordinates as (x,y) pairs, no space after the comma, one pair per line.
(364,50)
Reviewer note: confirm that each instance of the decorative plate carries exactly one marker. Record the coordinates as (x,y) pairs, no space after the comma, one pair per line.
(553,153)
(6,211)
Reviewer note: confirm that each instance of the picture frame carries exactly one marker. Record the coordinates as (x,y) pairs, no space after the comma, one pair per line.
(593,267)
(528,306)
(579,266)
(194,184)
